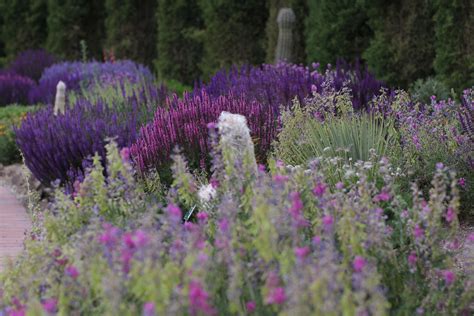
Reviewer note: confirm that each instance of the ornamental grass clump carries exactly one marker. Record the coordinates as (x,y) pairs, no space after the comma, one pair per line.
(267,242)
(327,125)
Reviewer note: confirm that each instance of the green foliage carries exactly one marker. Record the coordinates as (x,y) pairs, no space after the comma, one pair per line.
(10,116)
(130,27)
(336,29)
(329,250)
(178,44)
(349,136)
(234,33)
(402,48)
(271,29)
(23,26)
(422,90)
(71,21)
(454,45)
(177,87)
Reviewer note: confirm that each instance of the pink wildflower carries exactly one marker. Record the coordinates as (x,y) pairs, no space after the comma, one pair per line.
(339,185)
(19,311)
(149,309)
(140,238)
(316,240)
(470,238)
(202,216)
(412,258)
(110,236)
(250,306)
(125,154)
(448,276)
(418,232)
(383,197)
(276,296)
(328,221)
(126,257)
(319,189)
(450,215)
(72,272)
(358,264)
(280,179)
(50,305)
(224,225)
(214,183)
(198,299)
(174,212)
(462,182)
(302,252)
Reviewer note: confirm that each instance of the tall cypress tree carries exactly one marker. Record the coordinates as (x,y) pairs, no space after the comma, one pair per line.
(234,33)
(300,8)
(402,49)
(24,25)
(454,26)
(336,29)
(131,29)
(73,21)
(178,45)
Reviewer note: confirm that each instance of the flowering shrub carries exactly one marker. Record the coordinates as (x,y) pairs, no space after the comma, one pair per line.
(77,75)
(14,88)
(32,63)
(277,242)
(437,132)
(277,85)
(184,122)
(58,147)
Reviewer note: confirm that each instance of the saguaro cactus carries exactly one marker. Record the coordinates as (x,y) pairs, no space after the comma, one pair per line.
(60,101)
(286,20)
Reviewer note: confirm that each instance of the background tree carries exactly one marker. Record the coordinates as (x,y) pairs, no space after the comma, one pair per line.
(271,29)
(336,29)
(234,33)
(179,48)
(402,49)
(131,29)
(73,21)
(24,25)
(454,26)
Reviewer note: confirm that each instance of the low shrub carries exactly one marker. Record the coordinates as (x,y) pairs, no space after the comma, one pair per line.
(83,75)
(277,242)
(32,63)
(59,147)
(10,116)
(14,88)
(423,89)
(278,85)
(437,132)
(183,122)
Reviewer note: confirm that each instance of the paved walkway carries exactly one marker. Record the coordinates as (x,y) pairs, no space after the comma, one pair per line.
(14,222)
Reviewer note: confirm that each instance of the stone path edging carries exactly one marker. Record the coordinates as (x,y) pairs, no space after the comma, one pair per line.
(14,222)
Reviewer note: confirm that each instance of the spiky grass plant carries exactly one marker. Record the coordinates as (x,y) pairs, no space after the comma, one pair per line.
(309,132)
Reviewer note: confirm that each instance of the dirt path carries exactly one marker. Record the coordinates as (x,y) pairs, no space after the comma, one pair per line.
(14,222)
